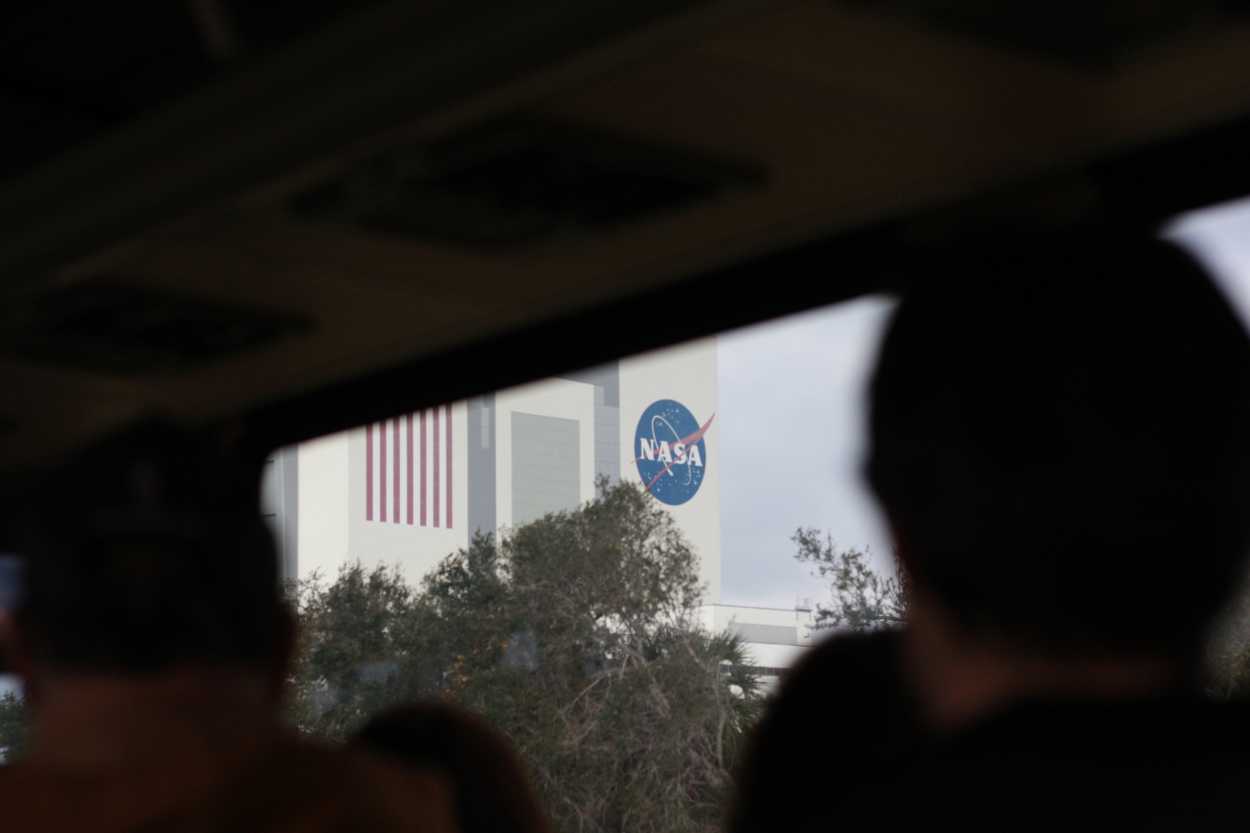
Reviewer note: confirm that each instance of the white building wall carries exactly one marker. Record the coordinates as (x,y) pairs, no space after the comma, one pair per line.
(774,638)
(415,549)
(559,398)
(332,525)
(770,655)
(720,617)
(324,483)
(686,374)
(333,528)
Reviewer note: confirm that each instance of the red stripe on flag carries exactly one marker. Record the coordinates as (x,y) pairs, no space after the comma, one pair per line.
(423,468)
(449,492)
(382,473)
(410,470)
(395,437)
(368,472)
(436,476)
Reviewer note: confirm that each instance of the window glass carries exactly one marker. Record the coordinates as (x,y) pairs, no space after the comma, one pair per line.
(620,540)
(1220,237)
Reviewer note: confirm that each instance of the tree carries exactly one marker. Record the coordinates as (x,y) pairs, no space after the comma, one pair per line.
(1228,652)
(13,724)
(861,599)
(578,635)
(351,639)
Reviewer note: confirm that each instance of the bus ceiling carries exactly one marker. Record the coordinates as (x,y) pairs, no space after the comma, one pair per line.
(230,211)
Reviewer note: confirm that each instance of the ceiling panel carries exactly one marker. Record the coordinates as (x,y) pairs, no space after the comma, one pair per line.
(458,178)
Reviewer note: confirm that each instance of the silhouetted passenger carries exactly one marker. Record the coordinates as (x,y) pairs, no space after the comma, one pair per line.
(152,640)
(841,720)
(1061,446)
(491,790)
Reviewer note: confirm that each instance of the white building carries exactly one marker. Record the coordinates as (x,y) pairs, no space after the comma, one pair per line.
(410,490)
(775,637)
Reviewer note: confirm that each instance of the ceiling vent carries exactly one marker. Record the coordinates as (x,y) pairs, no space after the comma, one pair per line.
(516,183)
(115,328)
(1091,35)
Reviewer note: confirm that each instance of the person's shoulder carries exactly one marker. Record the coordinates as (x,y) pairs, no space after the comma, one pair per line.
(359,791)
(844,700)
(1175,728)
(288,785)
(874,654)
(35,798)
(1169,763)
(851,670)
(848,692)
(19,787)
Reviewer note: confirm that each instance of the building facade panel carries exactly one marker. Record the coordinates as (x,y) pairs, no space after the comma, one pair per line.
(425,480)
(546,466)
(408,491)
(687,375)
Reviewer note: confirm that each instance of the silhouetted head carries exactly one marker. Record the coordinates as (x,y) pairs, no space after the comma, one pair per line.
(1061,441)
(492,791)
(147,552)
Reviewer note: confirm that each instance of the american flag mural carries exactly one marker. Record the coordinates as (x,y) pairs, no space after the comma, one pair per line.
(408,470)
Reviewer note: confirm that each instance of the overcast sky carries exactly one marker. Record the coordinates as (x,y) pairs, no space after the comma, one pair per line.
(792,415)
(791,438)
(1220,237)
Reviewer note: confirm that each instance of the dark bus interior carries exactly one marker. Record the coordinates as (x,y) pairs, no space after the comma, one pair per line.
(263,215)
(274,221)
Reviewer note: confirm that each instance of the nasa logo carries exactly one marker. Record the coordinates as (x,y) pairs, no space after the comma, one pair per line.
(672,452)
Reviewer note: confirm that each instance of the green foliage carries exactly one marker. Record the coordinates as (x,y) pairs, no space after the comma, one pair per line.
(860,598)
(351,636)
(578,635)
(1228,652)
(1231,673)
(13,722)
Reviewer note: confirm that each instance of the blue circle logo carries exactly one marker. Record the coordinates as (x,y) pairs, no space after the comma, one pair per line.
(671,451)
